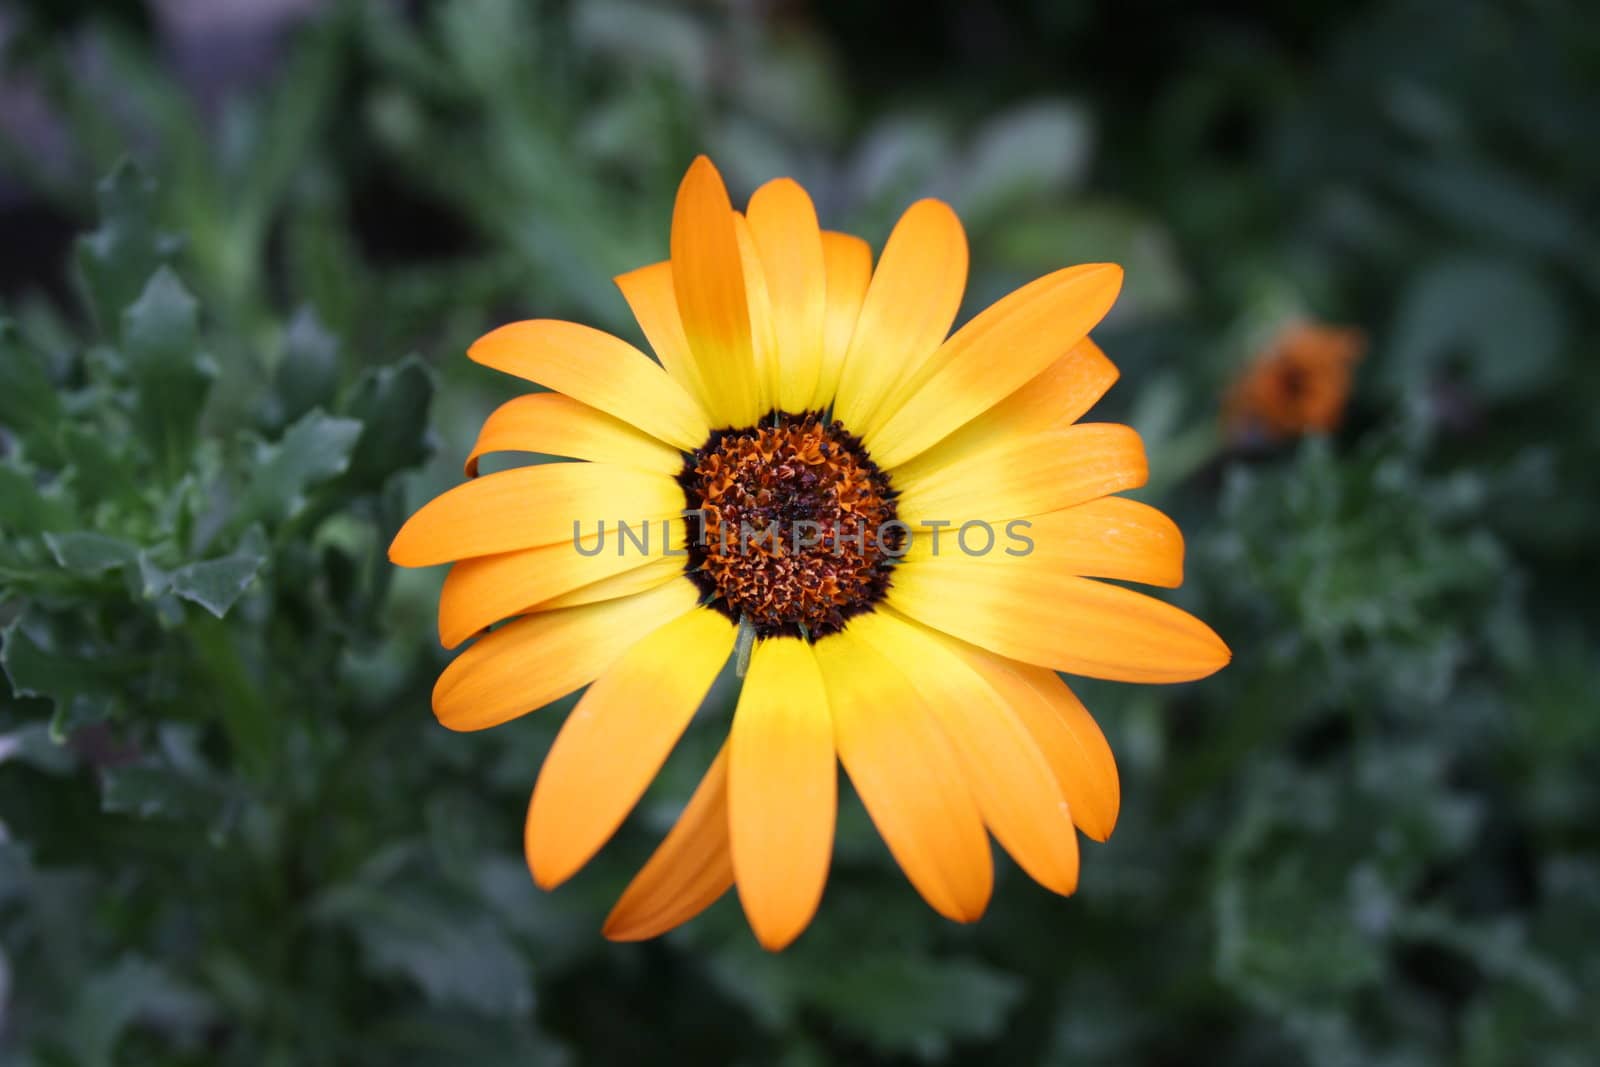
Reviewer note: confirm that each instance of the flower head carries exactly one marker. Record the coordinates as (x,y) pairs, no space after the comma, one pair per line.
(907,526)
(1298,384)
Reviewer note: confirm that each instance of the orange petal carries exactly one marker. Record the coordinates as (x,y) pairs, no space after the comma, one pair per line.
(1015,788)
(1112,537)
(907,776)
(1057,396)
(782,790)
(654,304)
(554,424)
(481,591)
(604,372)
(1021,476)
(708,280)
(911,302)
(763,331)
(1041,616)
(1063,729)
(527,664)
(529,506)
(616,739)
(639,580)
(690,870)
(990,357)
(784,225)
(847,262)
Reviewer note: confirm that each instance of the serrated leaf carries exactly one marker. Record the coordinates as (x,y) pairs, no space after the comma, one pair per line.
(26,507)
(116,260)
(392,403)
(215,584)
(28,403)
(899,1003)
(171,378)
(314,450)
(90,554)
(80,687)
(308,373)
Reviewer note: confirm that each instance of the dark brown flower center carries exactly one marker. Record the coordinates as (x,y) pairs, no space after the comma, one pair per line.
(796,528)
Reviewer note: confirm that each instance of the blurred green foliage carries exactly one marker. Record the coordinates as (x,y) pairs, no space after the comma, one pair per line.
(230,830)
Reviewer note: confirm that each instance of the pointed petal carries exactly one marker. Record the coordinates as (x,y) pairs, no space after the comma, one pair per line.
(1064,730)
(554,424)
(615,741)
(990,357)
(527,664)
(1112,537)
(784,225)
(530,506)
(481,591)
(1010,779)
(1041,616)
(908,777)
(782,790)
(655,573)
(911,302)
(594,368)
(650,296)
(847,262)
(690,870)
(708,280)
(1022,476)
(1056,397)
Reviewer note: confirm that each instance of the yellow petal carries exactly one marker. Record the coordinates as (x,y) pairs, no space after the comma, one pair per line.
(616,739)
(990,357)
(911,302)
(1057,396)
(708,281)
(763,334)
(1015,788)
(784,225)
(650,297)
(907,776)
(1063,729)
(481,591)
(529,506)
(528,663)
(1051,619)
(639,580)
(690,870)
(554,424)
(847,262)
(782,790)
(1021,476)
(1112,537)
(594,368)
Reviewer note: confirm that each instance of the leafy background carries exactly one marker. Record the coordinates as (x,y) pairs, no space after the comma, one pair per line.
(244,248)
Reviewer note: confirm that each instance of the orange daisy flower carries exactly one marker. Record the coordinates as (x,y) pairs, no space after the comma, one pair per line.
(1298,384)
(900,530)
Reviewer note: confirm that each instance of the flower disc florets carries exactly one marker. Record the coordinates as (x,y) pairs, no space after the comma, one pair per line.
(795,527)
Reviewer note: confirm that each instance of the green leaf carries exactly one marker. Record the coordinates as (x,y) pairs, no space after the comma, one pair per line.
(1492,321)
(215,584)
(90,554)
(116,260)
(41,662)
(28,508)
(171,378)
(308,372)
(1035,151)
(392,403)
(33,745)
(28,402)
(314,450)
(903,1004)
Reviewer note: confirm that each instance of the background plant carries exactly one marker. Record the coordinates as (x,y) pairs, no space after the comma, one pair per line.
(232,833)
